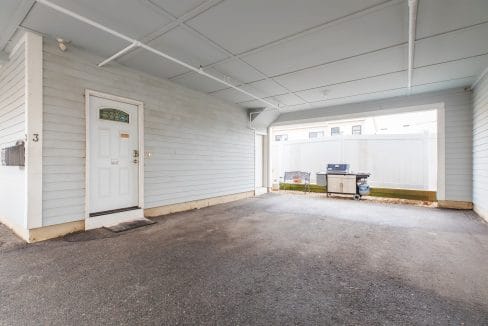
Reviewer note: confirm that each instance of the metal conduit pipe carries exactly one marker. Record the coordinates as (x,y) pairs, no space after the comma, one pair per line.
(412,26)
(136,43)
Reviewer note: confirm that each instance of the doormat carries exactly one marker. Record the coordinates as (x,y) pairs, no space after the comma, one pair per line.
(130,225)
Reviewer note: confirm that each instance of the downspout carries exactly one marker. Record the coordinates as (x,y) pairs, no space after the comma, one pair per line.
(254,147)
(412,25)
(269,174)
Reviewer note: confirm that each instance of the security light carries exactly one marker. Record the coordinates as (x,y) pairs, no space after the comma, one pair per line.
(62,44)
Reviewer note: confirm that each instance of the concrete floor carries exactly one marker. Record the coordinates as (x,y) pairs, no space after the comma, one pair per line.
(277,259)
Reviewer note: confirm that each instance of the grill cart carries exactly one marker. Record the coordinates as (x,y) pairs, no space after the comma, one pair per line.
(341,181)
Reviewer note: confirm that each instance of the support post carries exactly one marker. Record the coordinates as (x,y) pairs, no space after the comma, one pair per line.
(34,135)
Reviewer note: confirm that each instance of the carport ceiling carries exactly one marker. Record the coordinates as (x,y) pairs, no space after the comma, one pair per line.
(298,54)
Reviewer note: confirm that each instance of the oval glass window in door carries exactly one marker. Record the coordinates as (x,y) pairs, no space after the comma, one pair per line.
(112,114)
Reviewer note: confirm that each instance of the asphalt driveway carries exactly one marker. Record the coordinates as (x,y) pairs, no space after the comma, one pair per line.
(273,260)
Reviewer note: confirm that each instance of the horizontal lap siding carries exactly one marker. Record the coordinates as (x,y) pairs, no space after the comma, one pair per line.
(480,146)
(12,129)
(200,146)
(458,134)
(12,100)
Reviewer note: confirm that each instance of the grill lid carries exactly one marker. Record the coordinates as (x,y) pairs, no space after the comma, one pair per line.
(337,168)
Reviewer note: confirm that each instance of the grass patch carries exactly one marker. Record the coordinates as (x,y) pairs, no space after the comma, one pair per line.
(411,194)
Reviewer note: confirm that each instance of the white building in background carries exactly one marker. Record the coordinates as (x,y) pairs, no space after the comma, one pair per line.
(320,130)
(403,123)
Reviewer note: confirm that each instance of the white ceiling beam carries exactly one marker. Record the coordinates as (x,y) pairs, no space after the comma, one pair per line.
(205,6)
(381,91)
(232,56)
(212,43)
(181,22)
(176,21)
(150,49)
(460,29)
(389,73)
(335,84)
(193,13)
(316,66)
(412,27)
(120,53)
(308,31)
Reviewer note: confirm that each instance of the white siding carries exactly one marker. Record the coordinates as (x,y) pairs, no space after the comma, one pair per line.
(480,147)
(458,133)
(201,147)
(12,129)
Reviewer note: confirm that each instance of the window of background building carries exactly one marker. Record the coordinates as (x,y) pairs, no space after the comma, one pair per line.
(316,134)
(283,137)
(356,130)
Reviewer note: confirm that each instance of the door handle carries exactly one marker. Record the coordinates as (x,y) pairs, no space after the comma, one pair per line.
(115,162)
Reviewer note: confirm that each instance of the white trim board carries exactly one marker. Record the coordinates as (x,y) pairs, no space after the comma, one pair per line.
(33,125)
(441,152)
(269,167)
(111,219)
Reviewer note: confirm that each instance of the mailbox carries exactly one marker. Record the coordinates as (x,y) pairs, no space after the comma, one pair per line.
(14,155)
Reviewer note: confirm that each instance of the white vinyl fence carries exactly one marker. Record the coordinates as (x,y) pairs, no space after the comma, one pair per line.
(394,161)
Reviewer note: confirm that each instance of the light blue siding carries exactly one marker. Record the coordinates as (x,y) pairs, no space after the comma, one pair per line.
(12,129)
(480,147)
(201,147)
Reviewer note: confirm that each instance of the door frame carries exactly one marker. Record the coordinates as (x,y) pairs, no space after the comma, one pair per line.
(140,127)
(264,163)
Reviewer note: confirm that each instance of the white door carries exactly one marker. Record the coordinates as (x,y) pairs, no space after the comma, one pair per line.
(114,155)
(258,161)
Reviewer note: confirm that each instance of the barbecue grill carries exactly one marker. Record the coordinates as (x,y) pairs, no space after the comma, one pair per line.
(340,180)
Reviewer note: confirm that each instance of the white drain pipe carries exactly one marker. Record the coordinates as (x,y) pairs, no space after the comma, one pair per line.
(136,43)
(412,25)
(120,53)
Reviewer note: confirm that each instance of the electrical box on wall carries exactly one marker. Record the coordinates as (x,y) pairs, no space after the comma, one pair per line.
(14,155)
